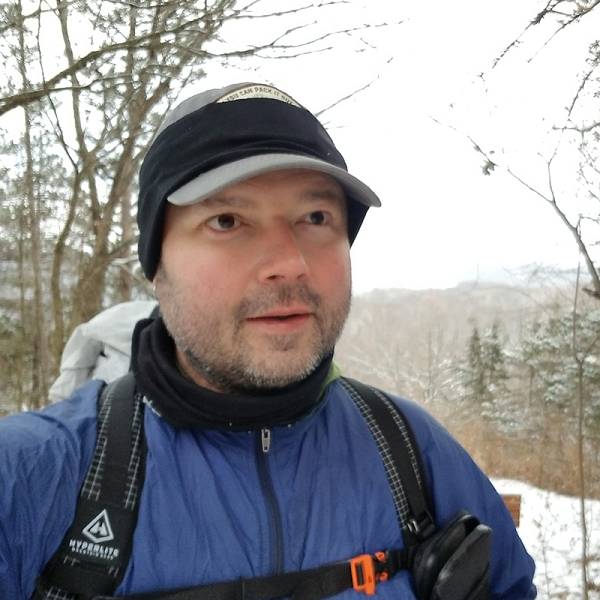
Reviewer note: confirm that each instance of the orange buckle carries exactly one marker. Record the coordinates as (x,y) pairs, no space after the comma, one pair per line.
(363,574)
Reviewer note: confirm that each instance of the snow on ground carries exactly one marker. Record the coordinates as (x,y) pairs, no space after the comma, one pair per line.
(551,531)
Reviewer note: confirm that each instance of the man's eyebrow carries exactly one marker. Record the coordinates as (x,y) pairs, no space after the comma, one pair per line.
(225,201)
(311,194)
(330,193)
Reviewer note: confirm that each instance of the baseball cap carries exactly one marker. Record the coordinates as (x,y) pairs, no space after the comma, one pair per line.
(223,136)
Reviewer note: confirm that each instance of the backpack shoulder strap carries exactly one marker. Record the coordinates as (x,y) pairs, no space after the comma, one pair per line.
(401,458)
(94,553)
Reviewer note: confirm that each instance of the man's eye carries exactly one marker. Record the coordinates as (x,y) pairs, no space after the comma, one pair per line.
(223,222)
(317,217)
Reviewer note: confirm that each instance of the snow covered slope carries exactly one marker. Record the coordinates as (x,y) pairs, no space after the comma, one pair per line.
(551,531)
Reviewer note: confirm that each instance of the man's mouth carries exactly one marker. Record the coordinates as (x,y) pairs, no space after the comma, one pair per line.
(284,319)
(283,312)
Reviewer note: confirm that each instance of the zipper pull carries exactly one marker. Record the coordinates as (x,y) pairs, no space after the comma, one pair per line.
(265,438)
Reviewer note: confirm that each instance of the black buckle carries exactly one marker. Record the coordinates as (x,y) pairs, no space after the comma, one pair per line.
(421,527)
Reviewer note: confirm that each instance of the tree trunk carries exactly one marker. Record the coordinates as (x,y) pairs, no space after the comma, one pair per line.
(59,333)
(20,366)
(40,367)
(125,283)
(581,473)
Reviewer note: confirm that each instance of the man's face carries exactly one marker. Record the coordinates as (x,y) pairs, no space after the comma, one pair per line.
(254,282)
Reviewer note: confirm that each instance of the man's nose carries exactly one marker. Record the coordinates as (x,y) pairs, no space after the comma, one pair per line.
(282,256)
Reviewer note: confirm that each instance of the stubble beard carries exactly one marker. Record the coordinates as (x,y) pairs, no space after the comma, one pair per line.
(217,347)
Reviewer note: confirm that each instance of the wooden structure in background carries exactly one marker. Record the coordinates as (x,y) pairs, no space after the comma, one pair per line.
(513,503)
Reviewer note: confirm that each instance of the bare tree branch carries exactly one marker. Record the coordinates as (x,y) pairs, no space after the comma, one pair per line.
(549,197)
(28,96)
(242,14)
(583,129)
(574,229)
(549,9)
(346,97)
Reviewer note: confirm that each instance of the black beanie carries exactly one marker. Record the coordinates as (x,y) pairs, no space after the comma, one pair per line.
(220,137)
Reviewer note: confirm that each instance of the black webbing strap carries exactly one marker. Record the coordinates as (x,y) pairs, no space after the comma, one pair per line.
(119,442)
(300,585)
(94,553)
(394,436)
(361,573)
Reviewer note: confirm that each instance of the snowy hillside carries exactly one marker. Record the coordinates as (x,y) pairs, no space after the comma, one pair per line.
(550,528)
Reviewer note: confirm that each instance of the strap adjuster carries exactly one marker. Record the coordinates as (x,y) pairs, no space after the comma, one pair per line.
(421,527)
(367,570)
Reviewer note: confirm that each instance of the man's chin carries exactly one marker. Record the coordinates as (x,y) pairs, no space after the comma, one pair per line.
(260,380)
(278,370)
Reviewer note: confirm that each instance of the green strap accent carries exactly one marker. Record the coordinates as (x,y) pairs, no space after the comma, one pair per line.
(334,373)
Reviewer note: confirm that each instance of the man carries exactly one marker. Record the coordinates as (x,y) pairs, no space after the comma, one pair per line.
(257,461)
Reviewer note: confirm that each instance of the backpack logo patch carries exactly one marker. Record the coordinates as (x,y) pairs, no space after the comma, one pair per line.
(99,530)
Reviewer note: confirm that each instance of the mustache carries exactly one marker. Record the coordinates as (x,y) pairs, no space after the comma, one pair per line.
(283,295)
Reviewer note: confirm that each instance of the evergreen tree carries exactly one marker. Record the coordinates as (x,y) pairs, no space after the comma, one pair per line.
(494,364)
(485,375)
(475,372)
(554,351)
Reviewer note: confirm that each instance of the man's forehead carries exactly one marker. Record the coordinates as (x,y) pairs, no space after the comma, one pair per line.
(306,185)
(308,176)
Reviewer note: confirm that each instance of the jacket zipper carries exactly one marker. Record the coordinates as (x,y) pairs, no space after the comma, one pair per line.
(274,514)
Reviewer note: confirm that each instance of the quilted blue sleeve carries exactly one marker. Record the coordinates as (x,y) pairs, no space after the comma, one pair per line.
(456,483)
(43,459)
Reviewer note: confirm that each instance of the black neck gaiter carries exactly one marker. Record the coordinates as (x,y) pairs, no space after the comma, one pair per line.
(183,403)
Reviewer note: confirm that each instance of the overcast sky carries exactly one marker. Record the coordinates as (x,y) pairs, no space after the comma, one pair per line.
(442,220)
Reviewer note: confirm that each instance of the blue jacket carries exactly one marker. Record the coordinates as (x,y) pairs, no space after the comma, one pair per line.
(215,507)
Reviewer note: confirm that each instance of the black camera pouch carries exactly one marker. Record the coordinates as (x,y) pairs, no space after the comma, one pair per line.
(454,563)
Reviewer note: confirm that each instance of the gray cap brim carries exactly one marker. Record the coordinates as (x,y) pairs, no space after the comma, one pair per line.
(213,181)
